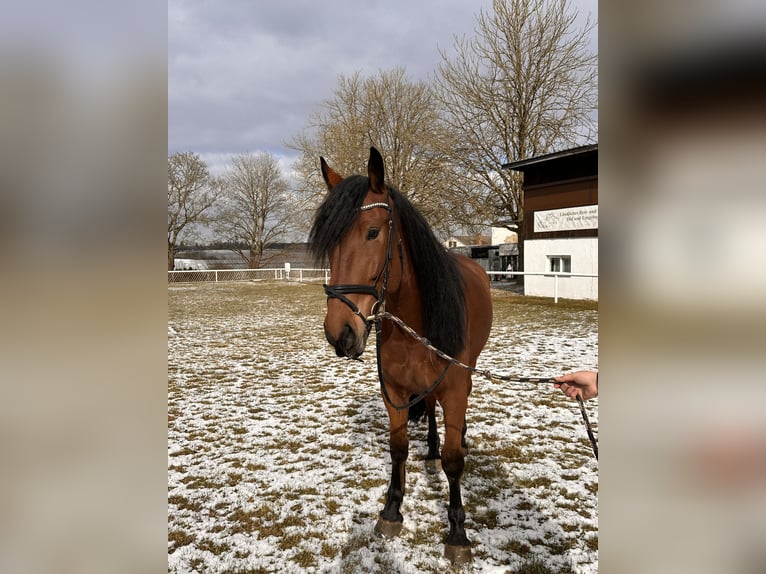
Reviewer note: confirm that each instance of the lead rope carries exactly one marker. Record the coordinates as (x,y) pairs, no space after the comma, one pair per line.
(377,317)
(592,438)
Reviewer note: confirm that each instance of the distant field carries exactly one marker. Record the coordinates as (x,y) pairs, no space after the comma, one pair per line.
(296,254)
(278,450)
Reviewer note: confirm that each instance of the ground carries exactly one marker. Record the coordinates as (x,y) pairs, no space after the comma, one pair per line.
(278,453)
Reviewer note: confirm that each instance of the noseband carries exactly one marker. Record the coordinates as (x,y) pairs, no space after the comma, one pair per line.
(340,291)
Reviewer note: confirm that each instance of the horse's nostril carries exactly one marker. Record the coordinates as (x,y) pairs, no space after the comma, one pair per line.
(347,341)
(347,344)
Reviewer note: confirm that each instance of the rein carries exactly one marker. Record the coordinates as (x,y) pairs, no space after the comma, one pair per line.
(377,318)
(379,313)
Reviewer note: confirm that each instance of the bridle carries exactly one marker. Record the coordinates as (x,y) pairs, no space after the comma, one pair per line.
(340,291)
(378,310)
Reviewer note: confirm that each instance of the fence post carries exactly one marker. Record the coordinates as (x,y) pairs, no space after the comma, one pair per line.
(216,276)
(555,288)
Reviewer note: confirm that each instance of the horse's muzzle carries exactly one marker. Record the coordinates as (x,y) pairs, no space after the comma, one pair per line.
(348,343)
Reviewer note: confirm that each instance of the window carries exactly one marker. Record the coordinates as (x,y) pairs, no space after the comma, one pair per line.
(560,263)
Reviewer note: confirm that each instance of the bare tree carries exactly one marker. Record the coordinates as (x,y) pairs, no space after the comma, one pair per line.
(525,85)
(403,119)
(256,207)
(190,197)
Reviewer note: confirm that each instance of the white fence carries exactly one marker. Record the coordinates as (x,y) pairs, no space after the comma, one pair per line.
(323,275)
(555,274)
(270,274)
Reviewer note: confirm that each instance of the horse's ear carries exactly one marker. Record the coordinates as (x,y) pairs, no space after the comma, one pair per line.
(375,171)
(331,177)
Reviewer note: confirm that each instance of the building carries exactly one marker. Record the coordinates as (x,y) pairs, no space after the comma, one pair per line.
(507,243)
(467,240)
(560,230)
(496,252)
(189,264)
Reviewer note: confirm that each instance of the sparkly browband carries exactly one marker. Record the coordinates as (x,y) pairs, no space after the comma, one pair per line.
(374,205)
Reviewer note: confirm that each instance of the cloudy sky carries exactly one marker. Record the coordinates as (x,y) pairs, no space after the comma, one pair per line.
(245,76)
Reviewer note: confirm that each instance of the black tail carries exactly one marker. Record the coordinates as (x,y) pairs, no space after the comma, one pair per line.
(417,411)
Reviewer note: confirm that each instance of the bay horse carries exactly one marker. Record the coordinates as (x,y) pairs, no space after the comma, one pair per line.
(383,254)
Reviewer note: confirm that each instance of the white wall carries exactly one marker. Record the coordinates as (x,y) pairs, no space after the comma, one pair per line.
(503,235)
(584,254)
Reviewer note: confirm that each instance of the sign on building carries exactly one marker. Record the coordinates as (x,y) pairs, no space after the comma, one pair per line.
(568,219)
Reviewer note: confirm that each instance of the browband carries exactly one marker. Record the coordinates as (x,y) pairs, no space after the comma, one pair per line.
(374,205)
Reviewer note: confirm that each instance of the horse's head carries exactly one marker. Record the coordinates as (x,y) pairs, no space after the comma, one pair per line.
(353,229)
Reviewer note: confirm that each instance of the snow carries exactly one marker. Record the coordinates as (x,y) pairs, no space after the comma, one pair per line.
(278,450)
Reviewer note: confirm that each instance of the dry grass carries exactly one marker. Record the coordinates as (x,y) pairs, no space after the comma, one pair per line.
(278,456)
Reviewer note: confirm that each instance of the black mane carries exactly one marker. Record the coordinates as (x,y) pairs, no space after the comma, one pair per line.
(441,286)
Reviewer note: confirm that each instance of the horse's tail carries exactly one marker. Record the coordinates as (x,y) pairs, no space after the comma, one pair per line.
(417,411)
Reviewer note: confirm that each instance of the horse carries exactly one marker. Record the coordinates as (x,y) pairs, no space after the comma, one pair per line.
(383,254)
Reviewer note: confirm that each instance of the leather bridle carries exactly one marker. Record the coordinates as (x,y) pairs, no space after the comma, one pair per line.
(378,311)
(340,291)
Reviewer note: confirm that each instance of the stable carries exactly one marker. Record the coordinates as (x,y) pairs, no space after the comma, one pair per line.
(559,234)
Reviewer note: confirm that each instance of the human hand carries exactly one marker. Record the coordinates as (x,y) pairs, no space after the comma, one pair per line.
(580,383)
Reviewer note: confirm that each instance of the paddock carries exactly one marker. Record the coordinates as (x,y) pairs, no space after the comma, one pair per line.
(277,449)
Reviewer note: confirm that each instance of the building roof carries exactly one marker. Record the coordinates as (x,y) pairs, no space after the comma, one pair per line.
(519,165)
(568,165)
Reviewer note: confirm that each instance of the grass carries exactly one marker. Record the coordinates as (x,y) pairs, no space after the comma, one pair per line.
(278,451)
(535,482)
(179,538)
(183,503)
(537,565)
(213,547)
(199,482)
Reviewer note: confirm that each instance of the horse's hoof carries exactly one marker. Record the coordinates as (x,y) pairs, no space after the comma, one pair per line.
(434,465)
(387,528)
(458,554)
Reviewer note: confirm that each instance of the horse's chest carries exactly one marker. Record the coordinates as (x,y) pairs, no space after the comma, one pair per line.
(407,367)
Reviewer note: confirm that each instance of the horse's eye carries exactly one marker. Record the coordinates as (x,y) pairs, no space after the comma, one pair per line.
(372,233)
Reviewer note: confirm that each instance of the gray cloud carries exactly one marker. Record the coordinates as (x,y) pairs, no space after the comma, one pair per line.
(245,76)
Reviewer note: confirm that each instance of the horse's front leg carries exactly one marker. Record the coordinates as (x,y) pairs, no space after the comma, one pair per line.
(458,547)
(390,521)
